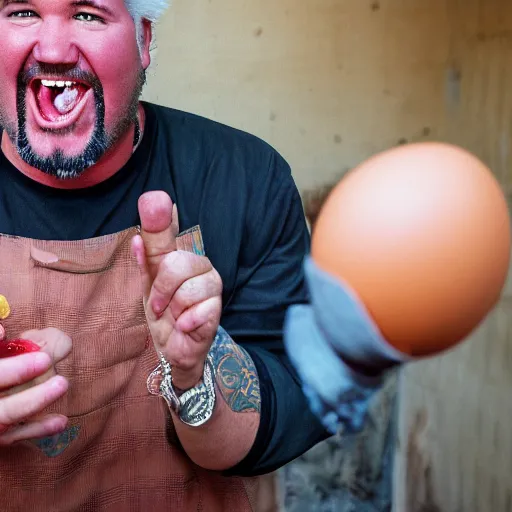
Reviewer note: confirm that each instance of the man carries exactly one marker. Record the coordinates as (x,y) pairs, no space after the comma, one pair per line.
(123,317)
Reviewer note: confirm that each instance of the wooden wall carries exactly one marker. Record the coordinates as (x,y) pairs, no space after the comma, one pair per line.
(327,82)
(455,449)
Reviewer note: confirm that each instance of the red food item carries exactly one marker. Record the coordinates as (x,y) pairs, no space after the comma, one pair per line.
(17,347)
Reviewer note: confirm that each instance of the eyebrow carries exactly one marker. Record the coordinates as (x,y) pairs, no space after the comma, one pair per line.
(5,3)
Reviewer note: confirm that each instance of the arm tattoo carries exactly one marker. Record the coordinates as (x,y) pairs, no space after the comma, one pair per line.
(236,375)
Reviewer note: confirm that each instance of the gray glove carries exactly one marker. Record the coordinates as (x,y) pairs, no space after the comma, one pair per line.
(322,337)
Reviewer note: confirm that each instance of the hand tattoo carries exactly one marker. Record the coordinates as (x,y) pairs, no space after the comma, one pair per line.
(236,375)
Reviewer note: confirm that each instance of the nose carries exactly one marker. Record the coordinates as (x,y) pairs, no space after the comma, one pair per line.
(54,44)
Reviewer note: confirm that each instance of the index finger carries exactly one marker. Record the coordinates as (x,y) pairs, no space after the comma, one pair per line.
(27,403)
(177,268)
(18,370)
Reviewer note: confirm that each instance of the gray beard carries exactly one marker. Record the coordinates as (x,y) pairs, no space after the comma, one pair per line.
(57,164)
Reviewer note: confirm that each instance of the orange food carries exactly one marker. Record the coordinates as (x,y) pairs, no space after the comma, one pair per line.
(421,233)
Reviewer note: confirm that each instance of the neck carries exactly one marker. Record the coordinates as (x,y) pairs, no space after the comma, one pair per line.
(111,162)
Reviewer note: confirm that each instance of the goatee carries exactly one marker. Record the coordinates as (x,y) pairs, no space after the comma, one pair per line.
(58,164)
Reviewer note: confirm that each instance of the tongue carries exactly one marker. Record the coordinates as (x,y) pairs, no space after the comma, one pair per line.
(66,100)
(54,107)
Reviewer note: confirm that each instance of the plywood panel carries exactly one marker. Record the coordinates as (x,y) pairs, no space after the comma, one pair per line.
(455,449)
(328,83)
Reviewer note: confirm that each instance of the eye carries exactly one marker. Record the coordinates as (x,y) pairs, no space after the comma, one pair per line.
(88,17)
(22,14)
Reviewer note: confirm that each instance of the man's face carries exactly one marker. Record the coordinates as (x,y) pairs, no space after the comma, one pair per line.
(70,77)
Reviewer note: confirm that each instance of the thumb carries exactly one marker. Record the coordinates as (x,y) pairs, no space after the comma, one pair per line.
(159,227)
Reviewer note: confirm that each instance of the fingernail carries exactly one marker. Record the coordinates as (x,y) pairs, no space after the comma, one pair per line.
(58,425)
(137,251)
(159,306)
(62,422)
(59,383)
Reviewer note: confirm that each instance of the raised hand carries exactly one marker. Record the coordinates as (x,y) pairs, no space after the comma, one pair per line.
(182,291)
(29,384)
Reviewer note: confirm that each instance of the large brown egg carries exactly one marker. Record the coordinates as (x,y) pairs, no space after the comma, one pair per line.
(421,233)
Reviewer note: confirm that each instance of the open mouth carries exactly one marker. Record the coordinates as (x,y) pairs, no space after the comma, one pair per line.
(58,103)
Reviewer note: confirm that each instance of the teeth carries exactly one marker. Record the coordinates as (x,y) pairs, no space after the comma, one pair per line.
(57,83)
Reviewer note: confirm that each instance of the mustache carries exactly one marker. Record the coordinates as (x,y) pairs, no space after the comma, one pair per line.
(61,72)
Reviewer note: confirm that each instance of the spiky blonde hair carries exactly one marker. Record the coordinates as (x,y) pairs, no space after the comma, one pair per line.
(140,10)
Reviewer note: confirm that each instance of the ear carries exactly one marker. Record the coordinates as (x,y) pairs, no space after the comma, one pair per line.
(145,43)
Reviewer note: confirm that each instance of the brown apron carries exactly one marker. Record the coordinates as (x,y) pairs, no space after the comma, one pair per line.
(120,451)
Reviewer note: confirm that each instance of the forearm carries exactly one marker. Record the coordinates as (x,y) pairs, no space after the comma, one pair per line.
(228,436)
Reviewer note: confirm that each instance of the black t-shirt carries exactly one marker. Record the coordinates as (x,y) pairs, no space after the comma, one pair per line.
(241,193)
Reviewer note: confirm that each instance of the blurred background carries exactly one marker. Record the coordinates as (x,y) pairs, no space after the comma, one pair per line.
(329,83)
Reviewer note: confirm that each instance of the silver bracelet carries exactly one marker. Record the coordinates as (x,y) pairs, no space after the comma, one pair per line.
(196,405)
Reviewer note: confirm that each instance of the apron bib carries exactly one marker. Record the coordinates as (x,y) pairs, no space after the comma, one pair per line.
(119,452)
